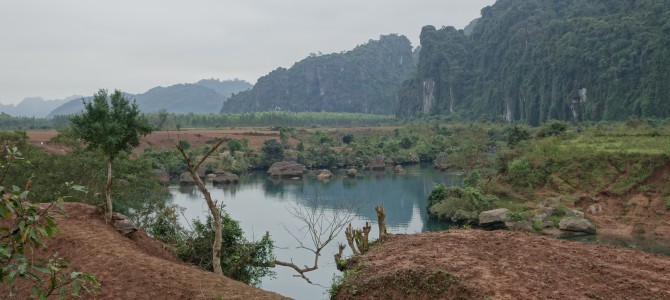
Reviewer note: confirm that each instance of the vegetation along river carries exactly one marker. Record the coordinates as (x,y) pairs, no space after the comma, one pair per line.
(263,204)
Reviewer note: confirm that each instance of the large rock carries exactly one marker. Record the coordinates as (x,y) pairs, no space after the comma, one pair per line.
(225,178)
(377,164)
(576,224)
(351,173)
(398,169)
(186,178)
(287,168)
(595,209)
(324,175)
(493,218)
(440,162)
(123,224)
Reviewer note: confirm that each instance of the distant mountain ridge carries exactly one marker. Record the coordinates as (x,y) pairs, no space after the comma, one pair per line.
(205,96)
(364,80)
(34,107)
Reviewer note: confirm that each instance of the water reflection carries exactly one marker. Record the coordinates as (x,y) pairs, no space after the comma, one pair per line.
(262,204)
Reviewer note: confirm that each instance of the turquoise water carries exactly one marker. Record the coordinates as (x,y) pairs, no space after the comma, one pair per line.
(262,204)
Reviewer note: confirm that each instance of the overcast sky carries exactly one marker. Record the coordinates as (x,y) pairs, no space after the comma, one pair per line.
(55,49)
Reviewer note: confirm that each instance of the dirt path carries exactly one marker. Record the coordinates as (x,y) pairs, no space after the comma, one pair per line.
(139,269)
(475,264)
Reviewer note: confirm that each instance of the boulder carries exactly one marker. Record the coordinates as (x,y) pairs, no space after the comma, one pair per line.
(440,162)
(595,209)
(398,169)
(162,176)
(493,218)
(377,164)
(225,178)
(351,173)
(576,224)
(324,175)
(287,168)
(202,171)
(186,178)
(211,176)
(123,224)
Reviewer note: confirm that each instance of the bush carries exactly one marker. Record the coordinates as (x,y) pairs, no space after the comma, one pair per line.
(241,260)
(516,135)
(519,173)
(458,205)
(551,129)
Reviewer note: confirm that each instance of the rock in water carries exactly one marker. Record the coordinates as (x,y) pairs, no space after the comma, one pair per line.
(287,168)
(324,175)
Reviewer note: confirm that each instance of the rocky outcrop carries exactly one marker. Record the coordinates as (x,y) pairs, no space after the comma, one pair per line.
(225,178)
(494,219)
(440,162)
(324,175)
(398,169)
(288,168)
(377,164)
(351,173)
(123,224)
(576,224)
(185,178)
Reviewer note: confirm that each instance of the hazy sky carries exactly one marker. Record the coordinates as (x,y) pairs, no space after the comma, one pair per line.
(54,49)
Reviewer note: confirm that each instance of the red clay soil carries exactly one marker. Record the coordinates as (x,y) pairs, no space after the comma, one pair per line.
(134,269)
(167,139)
(475,264)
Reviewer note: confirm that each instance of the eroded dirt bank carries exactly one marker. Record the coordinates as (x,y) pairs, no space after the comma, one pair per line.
(475,264)
(134,269)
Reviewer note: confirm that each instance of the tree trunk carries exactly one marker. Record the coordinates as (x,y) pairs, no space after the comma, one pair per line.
(108,191)
(216,214)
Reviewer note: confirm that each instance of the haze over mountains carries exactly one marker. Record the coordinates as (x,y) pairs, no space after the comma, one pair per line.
(522,61)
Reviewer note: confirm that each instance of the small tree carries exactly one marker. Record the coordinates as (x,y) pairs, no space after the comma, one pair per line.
(111,124)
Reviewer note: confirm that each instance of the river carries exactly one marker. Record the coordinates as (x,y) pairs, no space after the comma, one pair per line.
(263,204)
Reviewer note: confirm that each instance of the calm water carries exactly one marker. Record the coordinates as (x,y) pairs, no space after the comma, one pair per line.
(262,204)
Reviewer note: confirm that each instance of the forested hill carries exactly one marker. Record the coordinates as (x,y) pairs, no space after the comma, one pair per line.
(365,79)
(205,96)
(531,61)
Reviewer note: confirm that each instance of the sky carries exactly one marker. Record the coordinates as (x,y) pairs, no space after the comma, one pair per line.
(55,49)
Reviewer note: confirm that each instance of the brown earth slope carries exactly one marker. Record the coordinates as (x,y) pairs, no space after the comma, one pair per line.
(474,264)
(135,269)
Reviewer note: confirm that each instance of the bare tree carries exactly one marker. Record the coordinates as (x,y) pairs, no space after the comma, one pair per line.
(211,204)
(320,227)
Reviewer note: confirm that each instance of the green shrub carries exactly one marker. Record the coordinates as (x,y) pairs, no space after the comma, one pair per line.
(458,205)
(551,128)
(519,173)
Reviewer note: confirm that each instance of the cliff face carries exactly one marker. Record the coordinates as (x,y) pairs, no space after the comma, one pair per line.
(365,79)
(531,61)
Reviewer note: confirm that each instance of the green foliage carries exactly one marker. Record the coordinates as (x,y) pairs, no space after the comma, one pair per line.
(363,80)
(534,61)
(551,129)
(110,123)
(234,145)
(347,138)
(472,180)
(516,134)
(458,205)
(26,226)
(519,172)
(241,260)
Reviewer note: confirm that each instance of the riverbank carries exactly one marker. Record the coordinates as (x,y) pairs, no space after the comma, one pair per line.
(136,268)
(475,264)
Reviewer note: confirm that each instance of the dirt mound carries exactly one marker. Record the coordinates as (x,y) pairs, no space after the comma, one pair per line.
(474,264)
(138,268)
